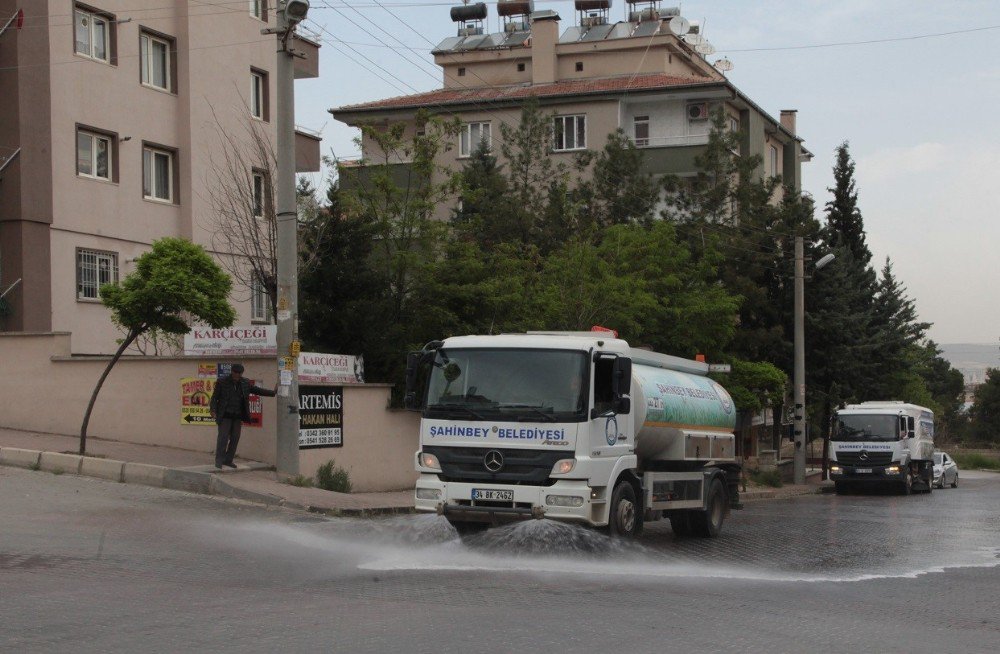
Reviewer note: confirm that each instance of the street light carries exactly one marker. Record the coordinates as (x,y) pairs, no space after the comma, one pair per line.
(295,11)
(799,382)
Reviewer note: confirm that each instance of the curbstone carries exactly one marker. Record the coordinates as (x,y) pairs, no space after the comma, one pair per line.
(143,473)
(102,468)
(15,456)
(55,461)
(188,480)
(220,487)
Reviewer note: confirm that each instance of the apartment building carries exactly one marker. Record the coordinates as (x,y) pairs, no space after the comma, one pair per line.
(114,118)
(648,75)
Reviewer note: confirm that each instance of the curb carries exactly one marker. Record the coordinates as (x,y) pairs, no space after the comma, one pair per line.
(202,483)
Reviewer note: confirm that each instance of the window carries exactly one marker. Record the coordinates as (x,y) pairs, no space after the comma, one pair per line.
(258,9)
(93,155)
(94,269)
(641,131)
(734,124)
(93,34)
(154,61)
(520,68)
(579,66)
(569,133)
(772,160)
(157,174)
(259,193)
(472,137)
(461,72)
(260,303)
(258,94)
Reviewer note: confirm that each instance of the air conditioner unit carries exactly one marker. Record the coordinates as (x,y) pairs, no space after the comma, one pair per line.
(697,111)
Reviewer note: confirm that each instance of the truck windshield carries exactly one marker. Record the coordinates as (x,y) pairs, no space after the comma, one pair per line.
(867,428)
(508,384)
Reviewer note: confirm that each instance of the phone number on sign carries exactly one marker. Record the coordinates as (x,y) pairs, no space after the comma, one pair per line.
(319,437)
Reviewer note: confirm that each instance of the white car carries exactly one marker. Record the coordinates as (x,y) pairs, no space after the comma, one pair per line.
(945,470)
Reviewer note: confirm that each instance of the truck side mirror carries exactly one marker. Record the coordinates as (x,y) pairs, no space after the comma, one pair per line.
(621,384)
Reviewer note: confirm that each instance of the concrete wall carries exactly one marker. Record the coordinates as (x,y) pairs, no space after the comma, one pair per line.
(44,389)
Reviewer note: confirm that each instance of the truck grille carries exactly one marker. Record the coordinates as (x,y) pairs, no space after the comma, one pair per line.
(467,464)
(874,458)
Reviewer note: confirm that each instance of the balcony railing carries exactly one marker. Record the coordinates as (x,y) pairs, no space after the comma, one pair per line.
(670,141)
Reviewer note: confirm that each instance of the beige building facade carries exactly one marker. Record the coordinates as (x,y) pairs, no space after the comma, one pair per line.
(112,114)
(645,76)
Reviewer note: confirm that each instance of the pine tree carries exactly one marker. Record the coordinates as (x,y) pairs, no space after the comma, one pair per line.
(897,330)
(845,226)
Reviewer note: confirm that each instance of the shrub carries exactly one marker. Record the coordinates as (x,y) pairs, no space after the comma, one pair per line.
(976,460)
(770,478)
(300,480)
(332,478)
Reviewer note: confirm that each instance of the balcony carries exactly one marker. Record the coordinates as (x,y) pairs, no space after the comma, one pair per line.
(671,155)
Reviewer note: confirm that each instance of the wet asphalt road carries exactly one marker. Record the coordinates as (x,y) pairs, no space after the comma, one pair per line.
(87,565)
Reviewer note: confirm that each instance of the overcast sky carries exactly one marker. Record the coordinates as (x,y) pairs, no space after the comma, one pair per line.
(921,115)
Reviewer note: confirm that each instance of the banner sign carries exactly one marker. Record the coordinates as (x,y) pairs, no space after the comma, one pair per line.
(196,393)
(317,368)
(256,339)
(321,417)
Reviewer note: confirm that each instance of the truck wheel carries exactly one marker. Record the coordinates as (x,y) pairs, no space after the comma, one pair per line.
(680,522)
(708,523)
(907,486)
(841,487)
(625,518)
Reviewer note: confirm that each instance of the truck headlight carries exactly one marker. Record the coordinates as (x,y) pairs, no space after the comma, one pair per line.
(564,500)
(835,469)
(564,466)
(428,494)
(429,461)
(892,470)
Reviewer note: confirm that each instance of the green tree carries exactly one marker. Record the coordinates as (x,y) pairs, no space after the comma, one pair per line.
(897,330)
(486,213)
(172,284)
(985,413)
(845,225)
(946,386)
(623,193)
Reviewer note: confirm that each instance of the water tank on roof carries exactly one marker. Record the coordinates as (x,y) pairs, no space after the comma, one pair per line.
(591,5)
(475,11)
(515,7)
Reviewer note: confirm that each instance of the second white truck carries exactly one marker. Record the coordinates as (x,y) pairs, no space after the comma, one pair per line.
(578,427)
(884,443)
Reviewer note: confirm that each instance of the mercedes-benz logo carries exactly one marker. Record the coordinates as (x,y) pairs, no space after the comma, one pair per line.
(864,455)
(493,461)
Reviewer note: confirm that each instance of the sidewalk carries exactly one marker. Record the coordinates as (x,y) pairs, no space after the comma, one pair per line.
(185,470)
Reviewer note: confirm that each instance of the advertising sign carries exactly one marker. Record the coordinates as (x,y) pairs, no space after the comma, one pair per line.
(317,368)
(255,339)
(195,395)
(321,417)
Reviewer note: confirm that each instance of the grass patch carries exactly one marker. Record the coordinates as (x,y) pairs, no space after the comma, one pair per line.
(770,478)
(57,471)
(35,466)
(300,480)
(976,460)
(332,478)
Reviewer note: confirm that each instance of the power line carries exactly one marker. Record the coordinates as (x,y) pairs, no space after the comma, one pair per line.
(838,44)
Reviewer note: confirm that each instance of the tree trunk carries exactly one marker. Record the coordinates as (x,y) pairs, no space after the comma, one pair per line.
(129,339)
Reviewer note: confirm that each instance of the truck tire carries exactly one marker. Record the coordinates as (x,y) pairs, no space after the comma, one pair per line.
(466,529)
(680,523)
(841,487)
(625,516)
(708,523)
(906,487)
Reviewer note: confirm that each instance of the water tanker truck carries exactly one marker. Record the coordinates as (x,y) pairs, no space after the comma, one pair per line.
(571,426)
(883,444)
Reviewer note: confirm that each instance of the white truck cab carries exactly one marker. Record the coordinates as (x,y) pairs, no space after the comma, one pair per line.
(883,442)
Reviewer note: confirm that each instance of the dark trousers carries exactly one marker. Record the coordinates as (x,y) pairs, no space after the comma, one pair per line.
(229,438)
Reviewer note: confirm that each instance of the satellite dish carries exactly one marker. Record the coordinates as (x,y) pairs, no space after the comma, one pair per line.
(679,25)
(693,39)
(723,65)
(704,48)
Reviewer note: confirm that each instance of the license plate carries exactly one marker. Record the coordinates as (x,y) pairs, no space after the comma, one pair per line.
(863,471)
(494,495)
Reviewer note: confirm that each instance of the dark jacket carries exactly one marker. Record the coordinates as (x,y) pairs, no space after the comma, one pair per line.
(227,393)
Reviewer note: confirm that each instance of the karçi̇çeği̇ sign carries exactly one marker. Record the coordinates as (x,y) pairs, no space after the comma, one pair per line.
(320,368)
(321,417)
(255,339)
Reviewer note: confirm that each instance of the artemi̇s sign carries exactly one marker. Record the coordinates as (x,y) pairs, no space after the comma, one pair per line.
(321,417)
(255,339)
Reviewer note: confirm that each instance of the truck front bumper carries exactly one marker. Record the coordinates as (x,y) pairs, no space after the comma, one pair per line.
(455,501)
(874,474)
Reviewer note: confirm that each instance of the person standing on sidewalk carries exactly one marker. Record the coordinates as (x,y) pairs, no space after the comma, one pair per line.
(230,407)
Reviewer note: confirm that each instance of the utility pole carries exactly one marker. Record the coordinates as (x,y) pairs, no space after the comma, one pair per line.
(289,13)
(799,394)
